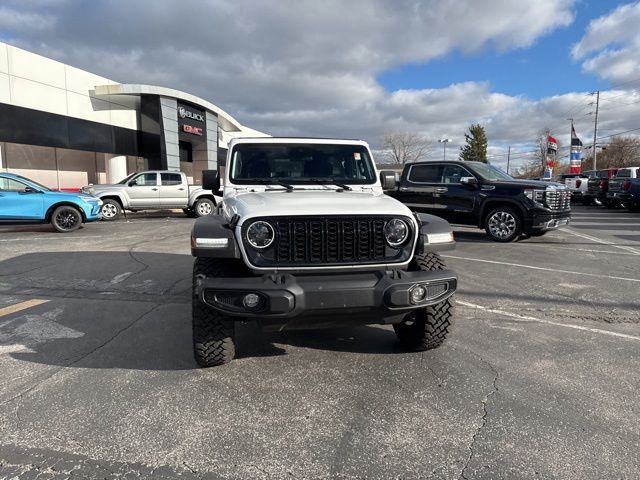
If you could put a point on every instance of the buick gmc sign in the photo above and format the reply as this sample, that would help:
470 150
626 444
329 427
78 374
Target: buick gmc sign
183 112
191 121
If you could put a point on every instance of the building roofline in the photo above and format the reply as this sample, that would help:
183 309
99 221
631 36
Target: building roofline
226 121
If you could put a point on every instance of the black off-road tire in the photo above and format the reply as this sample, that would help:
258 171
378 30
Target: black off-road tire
66 219
110 210
426 328
634 207
513 224
213 333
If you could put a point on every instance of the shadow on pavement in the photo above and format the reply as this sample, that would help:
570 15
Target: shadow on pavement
132 310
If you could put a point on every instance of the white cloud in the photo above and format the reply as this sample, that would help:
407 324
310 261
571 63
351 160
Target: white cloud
610 47
309 67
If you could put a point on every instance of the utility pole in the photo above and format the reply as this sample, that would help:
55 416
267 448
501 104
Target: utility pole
595 129
508 158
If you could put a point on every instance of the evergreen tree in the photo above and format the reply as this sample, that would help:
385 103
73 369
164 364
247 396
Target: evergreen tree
475 148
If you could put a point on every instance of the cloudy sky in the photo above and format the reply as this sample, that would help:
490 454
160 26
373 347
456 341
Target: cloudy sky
361 68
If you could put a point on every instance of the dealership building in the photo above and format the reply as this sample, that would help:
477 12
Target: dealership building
65 127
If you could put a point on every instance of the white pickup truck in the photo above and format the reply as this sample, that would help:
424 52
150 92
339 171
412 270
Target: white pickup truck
576 183
153 190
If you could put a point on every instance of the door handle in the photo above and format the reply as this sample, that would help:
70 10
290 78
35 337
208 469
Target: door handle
181 189
154 189
441 190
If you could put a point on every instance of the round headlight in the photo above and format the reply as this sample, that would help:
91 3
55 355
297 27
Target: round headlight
260 234
396 232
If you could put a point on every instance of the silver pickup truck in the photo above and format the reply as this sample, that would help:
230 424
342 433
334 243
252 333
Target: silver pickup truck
153 190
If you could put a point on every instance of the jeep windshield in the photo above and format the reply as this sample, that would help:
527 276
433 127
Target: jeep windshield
491 173
301 163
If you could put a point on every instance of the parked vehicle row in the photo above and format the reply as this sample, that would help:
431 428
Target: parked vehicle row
610 187
25 201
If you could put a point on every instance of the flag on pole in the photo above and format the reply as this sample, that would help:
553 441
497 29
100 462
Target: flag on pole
576 152
552 151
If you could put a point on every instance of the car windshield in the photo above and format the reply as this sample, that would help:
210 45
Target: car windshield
36 184
489 172
298 163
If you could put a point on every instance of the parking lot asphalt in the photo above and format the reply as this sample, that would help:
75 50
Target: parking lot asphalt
539 378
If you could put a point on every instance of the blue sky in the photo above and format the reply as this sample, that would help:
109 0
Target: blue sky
541 70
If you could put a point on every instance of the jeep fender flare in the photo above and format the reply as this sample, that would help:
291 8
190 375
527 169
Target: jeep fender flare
210 227
431 225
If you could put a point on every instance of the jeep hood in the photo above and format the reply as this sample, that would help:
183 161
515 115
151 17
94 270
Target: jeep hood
311 202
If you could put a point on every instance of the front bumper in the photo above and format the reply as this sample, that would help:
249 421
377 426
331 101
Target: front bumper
544 221
288 301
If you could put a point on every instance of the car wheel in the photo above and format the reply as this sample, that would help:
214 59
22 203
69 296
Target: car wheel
213 333
110 210
66 219
634 207
204 206
503 224
426 328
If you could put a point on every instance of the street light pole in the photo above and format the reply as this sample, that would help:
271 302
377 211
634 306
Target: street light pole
444 142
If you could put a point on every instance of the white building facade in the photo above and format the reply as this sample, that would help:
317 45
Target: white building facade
65 127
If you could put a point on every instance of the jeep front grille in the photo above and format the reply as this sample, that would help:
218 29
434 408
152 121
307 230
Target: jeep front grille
327 241
558 199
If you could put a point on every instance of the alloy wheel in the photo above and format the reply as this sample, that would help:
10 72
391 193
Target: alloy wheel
67 219
502 225
204 208
109 210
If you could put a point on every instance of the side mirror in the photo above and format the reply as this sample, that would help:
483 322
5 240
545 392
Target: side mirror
388 179
469 181
29 189
211 181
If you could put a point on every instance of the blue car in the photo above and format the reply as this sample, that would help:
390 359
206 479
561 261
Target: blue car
25 201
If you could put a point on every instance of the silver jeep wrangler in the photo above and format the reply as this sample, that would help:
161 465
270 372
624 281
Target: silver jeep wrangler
306 238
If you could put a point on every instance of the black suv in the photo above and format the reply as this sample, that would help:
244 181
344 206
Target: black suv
474 193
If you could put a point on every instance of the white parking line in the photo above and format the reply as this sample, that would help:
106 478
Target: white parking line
601 241
612 224
548 322
589 250
57 237
545 269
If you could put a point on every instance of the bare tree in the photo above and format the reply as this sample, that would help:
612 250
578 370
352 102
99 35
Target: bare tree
620 152
403 147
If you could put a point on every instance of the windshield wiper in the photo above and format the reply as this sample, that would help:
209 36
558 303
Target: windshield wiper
329 181
266 182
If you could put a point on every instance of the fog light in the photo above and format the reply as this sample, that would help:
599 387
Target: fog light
251 301
418 294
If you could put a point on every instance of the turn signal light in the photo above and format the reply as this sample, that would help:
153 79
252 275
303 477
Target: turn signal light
626 185
578 183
